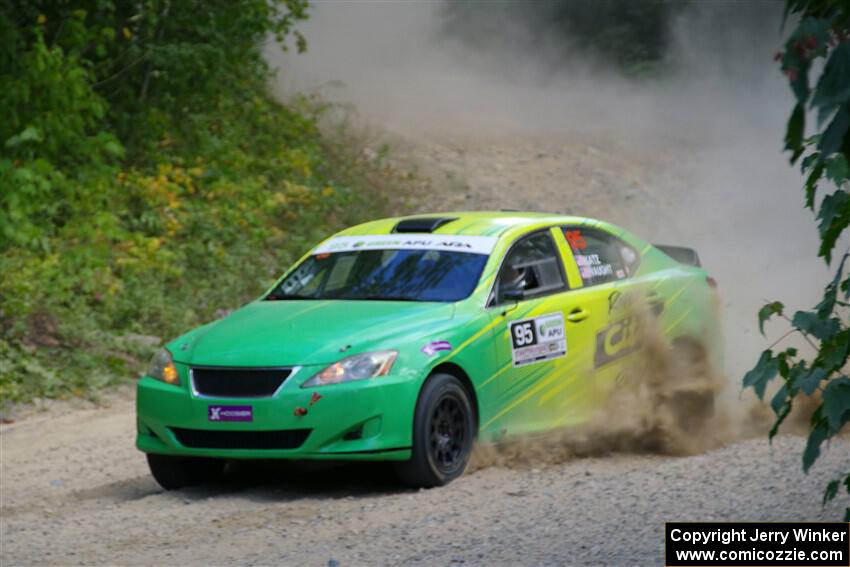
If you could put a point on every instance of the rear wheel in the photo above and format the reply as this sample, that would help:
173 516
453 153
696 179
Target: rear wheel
443 433
692 397
178 472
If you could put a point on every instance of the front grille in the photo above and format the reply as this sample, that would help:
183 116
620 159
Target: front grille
206 439
238 382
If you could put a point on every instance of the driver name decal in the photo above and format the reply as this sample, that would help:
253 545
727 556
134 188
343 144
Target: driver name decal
538 339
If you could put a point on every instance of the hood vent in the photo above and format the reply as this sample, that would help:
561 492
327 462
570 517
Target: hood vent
422 224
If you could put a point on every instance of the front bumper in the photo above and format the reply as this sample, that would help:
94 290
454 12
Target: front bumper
365 420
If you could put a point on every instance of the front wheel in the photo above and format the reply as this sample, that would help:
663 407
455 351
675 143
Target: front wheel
443 434
173 473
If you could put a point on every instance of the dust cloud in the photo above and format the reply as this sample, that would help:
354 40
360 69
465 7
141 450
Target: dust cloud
710 130
665 403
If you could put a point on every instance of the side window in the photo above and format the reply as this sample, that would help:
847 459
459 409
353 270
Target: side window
601 257
531 266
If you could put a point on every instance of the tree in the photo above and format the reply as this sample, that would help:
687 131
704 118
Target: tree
822 32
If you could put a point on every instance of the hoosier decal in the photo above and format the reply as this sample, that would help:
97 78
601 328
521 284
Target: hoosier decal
230 413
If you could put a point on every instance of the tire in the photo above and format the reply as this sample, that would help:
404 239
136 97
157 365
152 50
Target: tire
173 473
691 400
443 434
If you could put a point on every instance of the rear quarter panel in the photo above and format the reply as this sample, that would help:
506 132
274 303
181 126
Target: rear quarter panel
690 305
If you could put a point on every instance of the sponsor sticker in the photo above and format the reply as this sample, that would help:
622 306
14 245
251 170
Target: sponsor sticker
590 266
575 240
538 339
432 348
619 339
230 413
447 242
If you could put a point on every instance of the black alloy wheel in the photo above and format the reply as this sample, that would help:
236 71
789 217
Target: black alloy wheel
443 433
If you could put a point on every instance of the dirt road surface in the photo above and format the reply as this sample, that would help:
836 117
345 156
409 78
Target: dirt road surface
75 491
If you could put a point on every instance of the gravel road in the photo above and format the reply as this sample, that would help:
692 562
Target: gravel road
75 491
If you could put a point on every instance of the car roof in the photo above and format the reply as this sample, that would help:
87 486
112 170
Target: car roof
473 223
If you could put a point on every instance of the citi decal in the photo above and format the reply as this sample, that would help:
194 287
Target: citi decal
617 340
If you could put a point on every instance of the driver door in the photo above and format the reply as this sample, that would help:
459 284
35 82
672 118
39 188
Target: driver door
544 337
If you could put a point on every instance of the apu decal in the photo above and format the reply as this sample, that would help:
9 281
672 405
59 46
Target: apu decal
538 339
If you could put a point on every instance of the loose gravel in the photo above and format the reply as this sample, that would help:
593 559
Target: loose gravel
75 491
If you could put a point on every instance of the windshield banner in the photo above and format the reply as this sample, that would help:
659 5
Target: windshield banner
448 242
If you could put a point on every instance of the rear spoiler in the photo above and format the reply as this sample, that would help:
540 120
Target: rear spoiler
681 254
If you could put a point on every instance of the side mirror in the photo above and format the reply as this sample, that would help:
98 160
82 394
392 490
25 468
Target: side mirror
513 294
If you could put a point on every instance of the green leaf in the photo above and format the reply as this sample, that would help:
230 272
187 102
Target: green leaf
833 137
764 371
810 381
794 132
813 324
833 88
830 492
833 353
836 402
810 160
780 400
817 436
830 293
837 169
768 311
834 216
29 134
114 148
785 410
815 173
812 183
781 405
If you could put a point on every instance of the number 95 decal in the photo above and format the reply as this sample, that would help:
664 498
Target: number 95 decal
538 339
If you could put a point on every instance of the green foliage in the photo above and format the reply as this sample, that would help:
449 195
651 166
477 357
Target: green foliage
149 180
823 32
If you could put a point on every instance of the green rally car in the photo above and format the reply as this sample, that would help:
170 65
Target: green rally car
405 339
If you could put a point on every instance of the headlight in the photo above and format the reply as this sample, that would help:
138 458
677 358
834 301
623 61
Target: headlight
357 367
162 368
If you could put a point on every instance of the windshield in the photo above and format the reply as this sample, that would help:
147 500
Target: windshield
400 275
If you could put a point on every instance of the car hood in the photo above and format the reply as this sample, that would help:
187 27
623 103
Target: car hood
300 332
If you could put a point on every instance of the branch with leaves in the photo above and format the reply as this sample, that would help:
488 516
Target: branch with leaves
822 32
